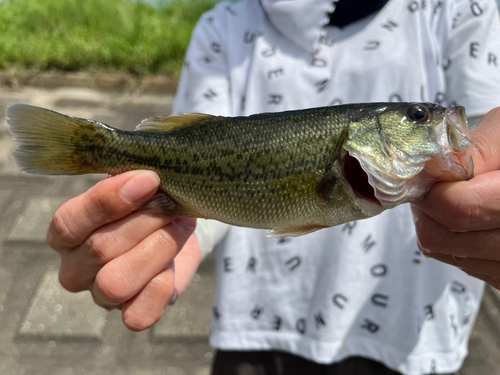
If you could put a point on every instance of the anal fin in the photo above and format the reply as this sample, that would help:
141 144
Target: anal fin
294 231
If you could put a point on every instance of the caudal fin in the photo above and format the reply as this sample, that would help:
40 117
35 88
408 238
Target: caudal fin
49 142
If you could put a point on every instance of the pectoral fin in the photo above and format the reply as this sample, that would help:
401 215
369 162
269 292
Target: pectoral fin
162 204
305 183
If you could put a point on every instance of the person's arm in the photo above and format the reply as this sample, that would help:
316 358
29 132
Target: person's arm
126 257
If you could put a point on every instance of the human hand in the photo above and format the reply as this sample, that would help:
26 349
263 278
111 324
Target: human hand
459 222
127 258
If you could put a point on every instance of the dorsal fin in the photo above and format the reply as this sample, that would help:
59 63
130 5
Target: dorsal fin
174 122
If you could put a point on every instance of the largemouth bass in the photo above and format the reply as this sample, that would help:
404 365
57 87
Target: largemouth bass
292 172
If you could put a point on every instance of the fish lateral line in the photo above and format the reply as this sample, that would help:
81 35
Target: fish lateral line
294 172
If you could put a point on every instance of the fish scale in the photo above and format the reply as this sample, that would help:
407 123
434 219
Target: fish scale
293 172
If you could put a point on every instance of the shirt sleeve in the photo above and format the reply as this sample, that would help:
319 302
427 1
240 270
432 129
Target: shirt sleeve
204 85
204 88
471 55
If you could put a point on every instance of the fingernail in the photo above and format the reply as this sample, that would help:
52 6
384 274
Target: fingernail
187 224
173 298
422 249
458 259
415 212
139 186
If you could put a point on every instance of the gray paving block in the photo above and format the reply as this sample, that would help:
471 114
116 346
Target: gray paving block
7 165
134 111
484 357
7 100
75 185
169 370
4 198
32 224
78 97
54 312
45 330
202 370
6 278
191 314
491 307
495 293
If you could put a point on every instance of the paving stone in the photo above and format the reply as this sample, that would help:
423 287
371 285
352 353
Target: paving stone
133 116
75 185
148 100
119 82
7 212
191 314
116 83
495 294
490 314
55 312
170 370
55 80
484 349
45 330
4 103
202 370
32 224
6 278
8 167
4 199
79 98
42 329
159 85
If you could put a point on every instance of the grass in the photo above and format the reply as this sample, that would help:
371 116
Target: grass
109 35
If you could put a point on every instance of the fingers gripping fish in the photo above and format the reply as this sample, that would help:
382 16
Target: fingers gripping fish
293 172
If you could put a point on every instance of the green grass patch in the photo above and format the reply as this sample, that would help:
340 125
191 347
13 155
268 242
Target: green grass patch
109 35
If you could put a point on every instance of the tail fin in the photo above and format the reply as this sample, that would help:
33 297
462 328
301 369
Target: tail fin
49 140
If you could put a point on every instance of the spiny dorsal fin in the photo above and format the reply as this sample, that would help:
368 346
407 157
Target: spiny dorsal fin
174 122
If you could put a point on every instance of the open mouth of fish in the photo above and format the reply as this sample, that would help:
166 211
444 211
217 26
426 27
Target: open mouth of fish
410 178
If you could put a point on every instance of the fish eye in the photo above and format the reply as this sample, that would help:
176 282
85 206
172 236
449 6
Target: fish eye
418 113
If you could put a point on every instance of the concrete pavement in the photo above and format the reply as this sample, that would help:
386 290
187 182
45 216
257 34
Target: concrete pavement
43 328
46 330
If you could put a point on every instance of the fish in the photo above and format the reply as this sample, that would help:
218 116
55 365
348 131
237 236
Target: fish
291 172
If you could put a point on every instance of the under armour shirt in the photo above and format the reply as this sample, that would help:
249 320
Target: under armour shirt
363 288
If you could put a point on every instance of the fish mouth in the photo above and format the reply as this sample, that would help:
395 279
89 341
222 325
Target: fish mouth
455 163
410 178
358 179
373 184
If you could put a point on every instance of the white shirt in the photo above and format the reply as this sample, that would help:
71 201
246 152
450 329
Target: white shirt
362 288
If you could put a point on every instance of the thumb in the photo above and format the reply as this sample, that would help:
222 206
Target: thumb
486 139
474 204
109 200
